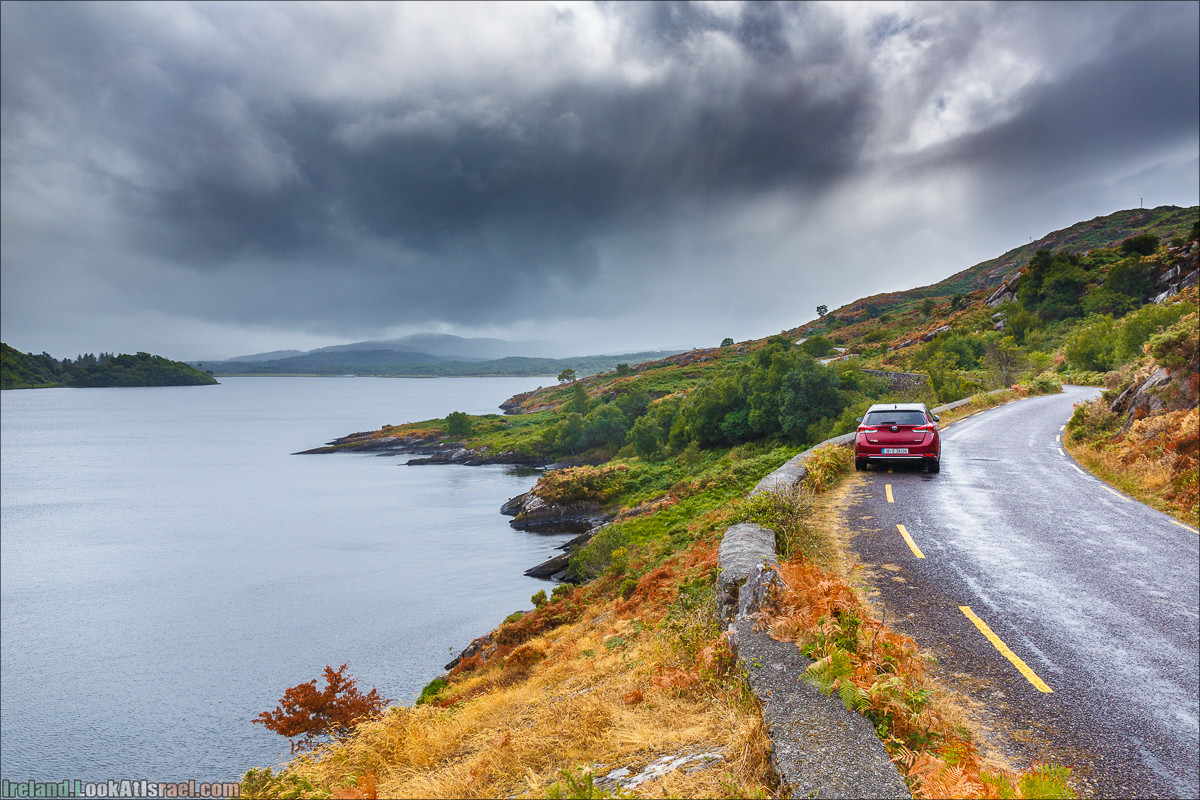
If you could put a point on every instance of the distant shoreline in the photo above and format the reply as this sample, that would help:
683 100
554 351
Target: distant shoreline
369 375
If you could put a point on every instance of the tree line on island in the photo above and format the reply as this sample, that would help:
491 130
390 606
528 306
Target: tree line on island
29 371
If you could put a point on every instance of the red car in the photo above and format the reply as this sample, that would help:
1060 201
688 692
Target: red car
898 432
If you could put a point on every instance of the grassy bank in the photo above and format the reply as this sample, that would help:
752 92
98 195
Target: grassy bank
632 667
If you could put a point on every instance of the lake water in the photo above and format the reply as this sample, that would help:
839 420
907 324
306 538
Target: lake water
169 568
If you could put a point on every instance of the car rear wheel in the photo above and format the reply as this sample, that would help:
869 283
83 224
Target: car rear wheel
860 464
934 465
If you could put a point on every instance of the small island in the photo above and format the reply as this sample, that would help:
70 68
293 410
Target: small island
27 371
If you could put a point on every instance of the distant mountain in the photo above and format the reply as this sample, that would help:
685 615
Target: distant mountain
271 356
426 355
453 348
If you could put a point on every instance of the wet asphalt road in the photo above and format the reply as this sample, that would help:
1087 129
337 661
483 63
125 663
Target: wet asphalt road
1099 596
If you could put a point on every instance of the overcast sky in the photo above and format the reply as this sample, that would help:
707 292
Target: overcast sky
209 180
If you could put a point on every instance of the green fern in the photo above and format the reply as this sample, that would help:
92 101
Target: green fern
854 698
1046 780
828 671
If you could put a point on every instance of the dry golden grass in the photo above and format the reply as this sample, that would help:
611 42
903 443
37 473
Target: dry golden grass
1155 461
618 687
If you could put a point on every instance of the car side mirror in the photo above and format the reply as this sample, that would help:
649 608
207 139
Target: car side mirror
936 418
859 419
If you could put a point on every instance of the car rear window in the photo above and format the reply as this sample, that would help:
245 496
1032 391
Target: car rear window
895 418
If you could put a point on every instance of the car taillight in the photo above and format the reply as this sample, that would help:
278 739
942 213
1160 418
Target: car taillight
865 429
926 428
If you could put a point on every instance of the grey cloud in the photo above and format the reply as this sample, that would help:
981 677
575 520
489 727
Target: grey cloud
278 165
1140 96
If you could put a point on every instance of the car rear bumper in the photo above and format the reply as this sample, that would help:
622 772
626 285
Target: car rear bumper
897 457
874 452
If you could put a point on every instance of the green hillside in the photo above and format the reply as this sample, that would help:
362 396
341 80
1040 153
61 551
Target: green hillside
1166 223
26 371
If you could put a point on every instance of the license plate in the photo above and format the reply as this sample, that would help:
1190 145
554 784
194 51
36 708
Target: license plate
895 451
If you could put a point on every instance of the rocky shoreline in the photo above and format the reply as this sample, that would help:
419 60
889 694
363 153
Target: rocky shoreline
429 450
532 513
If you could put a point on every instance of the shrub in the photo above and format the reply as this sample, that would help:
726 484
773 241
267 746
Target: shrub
817 346
431 691
595 557
577 484
539 598
1092 345
784 511
1176 347
605 426
458 424
646 436
1046 383
1143 245
1137 328
1092 422
305 714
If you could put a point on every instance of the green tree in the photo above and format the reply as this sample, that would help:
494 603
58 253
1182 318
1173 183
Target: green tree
944 379
566 376
458 424
1052 285
1092 345
1127 286
727 342
605 426
1018 321
646 436
623 370
633 403
578 403
927 307
1005 360
569 434
822 310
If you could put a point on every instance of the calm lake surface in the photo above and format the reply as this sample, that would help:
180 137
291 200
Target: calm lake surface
169 568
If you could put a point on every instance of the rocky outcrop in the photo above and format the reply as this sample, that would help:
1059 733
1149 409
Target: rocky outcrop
476 647
532 513
427 450
515 404
1005 292
902 381
1183 272
1140 399
745 548
556 568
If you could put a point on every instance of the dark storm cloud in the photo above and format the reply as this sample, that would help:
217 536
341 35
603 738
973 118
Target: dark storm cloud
344 168
1142 96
